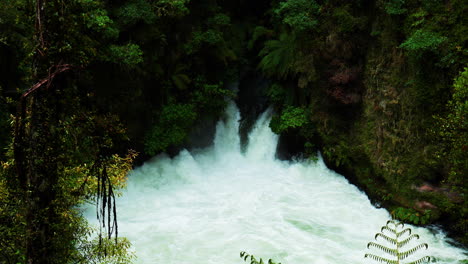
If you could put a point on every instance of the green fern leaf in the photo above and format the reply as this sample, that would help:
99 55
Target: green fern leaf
388 229
407 230
387 238
421 260
395 223
181 81
398 241
278 56
405 254
380 259
406 241
385 249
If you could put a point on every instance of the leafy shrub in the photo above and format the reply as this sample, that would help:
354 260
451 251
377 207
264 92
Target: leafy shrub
423 40
300 15
395 7
129 54
133 11
291 117
276 93
105 251
171 128
411 215
347 22
210 98
171 8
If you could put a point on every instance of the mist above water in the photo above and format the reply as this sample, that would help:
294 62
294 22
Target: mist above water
205 206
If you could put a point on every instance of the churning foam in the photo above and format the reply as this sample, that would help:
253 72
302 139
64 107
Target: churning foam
205 206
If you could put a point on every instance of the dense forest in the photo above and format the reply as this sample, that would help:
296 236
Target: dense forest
91 88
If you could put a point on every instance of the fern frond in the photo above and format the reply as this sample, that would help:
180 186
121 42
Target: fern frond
405 254
380 259
181 81
421 260
387 238
399 234
259 32
397 240
388 229
395 223
385 249
278 56
406 241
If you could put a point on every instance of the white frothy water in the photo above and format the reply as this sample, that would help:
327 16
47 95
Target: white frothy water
206 206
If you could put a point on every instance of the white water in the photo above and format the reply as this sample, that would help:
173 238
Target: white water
206 206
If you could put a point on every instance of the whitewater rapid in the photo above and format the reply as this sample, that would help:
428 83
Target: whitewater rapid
205 206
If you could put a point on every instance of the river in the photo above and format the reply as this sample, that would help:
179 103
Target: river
207 205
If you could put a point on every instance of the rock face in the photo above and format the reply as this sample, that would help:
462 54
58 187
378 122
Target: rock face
388 147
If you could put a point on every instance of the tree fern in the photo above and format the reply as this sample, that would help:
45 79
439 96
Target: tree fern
278 56
397 238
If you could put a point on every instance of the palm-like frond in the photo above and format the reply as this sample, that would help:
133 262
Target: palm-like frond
421 260
387 238
380 259
406 241
179 78
407 230
388 229
405 254
385 249
278 56
397 241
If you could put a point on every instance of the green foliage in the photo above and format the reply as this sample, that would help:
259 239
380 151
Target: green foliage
14 28
171 128
99 21
259 32
276 93
253 260
209 37
395 7
452 133
210 98
212 36
397 237
171 8
105 251
291 117
423 40
219 19
129 55
174 121
134 11
340 152
300 15
180 80
347 22
278 56
412 216
13 221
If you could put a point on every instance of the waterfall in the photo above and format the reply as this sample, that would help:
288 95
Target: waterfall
205 206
